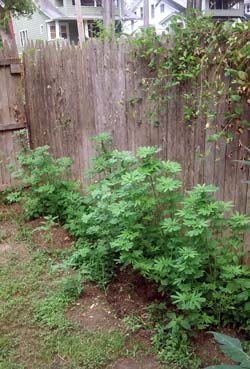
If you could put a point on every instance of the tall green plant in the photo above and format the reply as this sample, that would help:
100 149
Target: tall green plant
138 217
47 181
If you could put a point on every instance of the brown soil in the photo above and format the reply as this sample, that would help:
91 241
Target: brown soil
8 245
59 237
131 294
208 350
92 311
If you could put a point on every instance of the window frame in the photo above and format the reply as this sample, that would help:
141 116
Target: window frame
96 4
49 31
23 40
152 11
67 29
141 12
41 29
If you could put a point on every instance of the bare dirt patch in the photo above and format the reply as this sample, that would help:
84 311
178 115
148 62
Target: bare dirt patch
131 294
9 247
92 311
59 237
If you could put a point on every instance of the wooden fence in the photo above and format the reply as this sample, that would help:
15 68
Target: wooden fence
12 117
73 95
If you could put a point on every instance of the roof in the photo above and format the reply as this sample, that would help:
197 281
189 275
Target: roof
164 20
50 10
174 5
129 15
134 5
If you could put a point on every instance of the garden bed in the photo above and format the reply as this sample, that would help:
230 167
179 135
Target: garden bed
128 296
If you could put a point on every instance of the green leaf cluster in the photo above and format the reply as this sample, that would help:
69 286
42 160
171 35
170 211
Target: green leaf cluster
136 214
50 192
204 61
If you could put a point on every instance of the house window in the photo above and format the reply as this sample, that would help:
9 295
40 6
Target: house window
223 4
24 37
248 8
152 11
59 3
141 12
64 30
89 2
52 31
41 29
162 8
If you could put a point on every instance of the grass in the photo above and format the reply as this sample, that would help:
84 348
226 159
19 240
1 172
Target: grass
33 299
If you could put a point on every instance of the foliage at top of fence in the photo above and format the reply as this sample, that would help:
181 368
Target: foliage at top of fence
198 56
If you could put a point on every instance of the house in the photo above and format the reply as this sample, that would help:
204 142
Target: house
224 9
56 19
161 11
247 8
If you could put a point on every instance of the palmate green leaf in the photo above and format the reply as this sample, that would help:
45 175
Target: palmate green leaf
166 184
232 348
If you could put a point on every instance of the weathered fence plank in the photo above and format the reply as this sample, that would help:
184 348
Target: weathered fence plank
74 94
12 116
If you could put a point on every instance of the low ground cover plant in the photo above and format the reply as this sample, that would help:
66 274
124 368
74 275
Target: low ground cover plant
136 214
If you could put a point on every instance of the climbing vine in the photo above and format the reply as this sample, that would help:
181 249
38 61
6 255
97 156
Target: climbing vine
208 62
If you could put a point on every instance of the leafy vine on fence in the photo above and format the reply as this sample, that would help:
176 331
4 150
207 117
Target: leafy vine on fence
209 60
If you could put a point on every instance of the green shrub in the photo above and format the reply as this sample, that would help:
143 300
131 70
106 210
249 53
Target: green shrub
135 214
138 217
49 190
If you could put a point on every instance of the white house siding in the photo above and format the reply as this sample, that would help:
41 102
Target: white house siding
155 21
88 12
247 8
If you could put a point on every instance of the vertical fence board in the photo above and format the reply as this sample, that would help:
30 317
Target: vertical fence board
74 94
12 116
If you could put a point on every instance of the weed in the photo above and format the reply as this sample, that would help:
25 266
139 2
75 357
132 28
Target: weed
50 310
23 232
134 323
47 226
91 350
